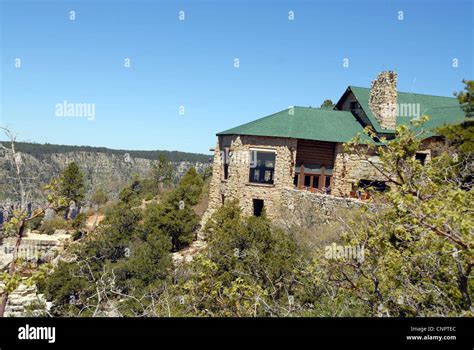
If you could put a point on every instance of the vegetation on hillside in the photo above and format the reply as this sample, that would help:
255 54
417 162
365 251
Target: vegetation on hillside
128 256
41 150
410 253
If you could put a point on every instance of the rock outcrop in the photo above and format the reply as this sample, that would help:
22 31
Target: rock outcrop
35 249
110 170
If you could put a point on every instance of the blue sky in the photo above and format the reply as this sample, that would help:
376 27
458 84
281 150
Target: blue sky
190 63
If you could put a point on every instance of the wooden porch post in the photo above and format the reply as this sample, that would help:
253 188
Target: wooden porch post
301 177
322 182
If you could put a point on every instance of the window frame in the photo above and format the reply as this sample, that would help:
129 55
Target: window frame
262 168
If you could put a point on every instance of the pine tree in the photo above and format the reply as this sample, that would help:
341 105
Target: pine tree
71 183
162 172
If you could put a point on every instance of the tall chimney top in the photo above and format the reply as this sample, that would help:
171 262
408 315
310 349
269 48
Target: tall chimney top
383 99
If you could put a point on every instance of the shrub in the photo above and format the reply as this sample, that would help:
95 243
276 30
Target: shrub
35 223
79 221
57 223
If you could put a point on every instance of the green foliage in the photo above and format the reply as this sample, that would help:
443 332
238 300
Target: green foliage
148 263
175 215
179 224
99 197
415 249
57 223
35 223
418 244
65 287
132 194
460 136
161 172
207 173
78 234
10 281
71 183
79 221
327 104
188 190
128 256
249 268
466 98
122 261
138 190
40 150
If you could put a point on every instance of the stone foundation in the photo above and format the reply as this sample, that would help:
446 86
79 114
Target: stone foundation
298 205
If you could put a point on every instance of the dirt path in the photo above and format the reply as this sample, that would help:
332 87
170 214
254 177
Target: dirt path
92 219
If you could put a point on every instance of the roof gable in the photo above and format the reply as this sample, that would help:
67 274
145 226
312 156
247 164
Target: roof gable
441 110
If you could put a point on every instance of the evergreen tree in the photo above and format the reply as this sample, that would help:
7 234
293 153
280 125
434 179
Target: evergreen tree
162 172
71 183
99 197
327 104
189 188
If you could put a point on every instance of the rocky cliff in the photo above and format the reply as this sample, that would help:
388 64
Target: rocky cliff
112 169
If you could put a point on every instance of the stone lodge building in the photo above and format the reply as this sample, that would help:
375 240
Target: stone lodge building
302 147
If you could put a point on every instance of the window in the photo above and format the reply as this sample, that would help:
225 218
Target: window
225 162
354 105
327 184
262 167
421 157
226 171
222 199
378 186
307 181
314 177
316 181
258 207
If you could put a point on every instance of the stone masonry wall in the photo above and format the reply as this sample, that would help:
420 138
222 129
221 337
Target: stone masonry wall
349 168
296 202
383 99
237 186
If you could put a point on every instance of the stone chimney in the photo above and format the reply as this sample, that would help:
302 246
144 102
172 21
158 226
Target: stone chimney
383 99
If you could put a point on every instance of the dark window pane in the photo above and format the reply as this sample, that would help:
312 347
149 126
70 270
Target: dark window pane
263 167
307 180
328 182
379 186
226 171
354 105
316 181
421 157
258 207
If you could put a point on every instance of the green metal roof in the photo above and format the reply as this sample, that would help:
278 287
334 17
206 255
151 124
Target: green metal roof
303 123
441 110
322 124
